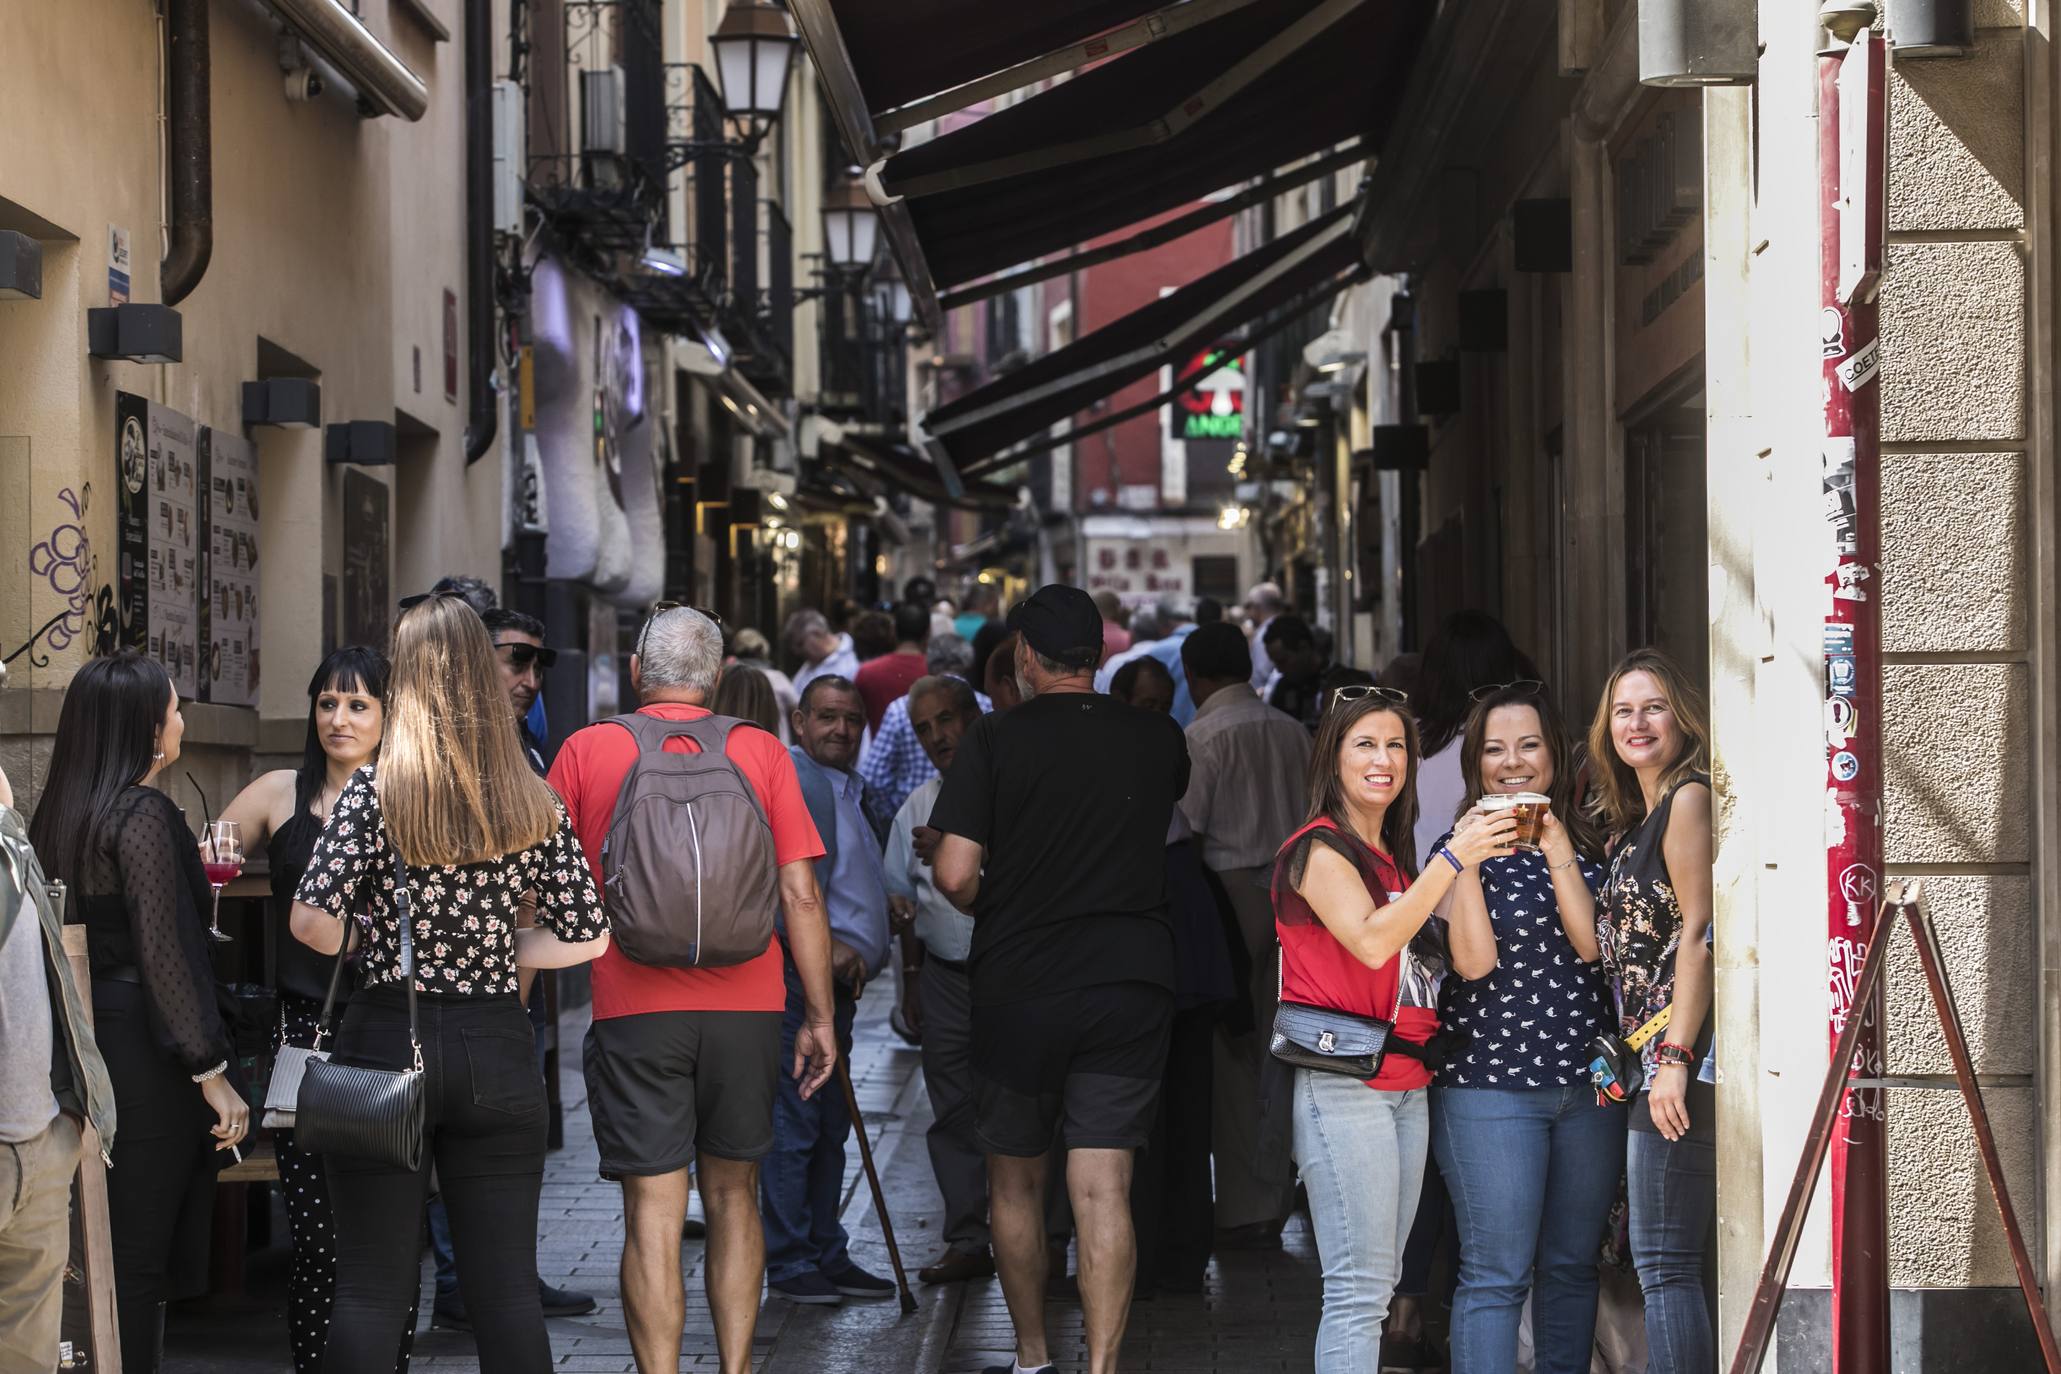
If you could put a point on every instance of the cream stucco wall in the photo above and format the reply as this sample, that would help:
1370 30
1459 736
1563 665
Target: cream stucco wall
334 238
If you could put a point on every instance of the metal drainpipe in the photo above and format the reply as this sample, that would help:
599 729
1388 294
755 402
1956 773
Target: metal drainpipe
483 418
188 151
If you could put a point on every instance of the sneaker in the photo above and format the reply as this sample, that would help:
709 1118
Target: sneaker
810 1287
563 1302
854 1282
449 1312
697 1219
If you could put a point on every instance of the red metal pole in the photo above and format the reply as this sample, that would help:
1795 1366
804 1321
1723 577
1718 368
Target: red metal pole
1850 158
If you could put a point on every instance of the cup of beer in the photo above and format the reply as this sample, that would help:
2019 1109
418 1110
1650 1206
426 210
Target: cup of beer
1529 808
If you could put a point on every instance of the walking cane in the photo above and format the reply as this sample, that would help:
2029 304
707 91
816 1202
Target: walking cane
887 1226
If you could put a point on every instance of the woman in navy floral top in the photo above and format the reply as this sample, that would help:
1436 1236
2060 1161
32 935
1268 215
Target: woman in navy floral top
480 841
1531 1159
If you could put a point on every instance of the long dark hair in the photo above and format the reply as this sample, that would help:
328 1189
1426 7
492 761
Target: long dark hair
1327 794
1566 789
1470 650
353 668
106 734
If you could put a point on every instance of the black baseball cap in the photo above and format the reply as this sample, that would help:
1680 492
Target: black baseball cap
1062 623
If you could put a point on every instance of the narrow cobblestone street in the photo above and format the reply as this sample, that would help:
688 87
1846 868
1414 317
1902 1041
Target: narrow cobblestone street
1255 1317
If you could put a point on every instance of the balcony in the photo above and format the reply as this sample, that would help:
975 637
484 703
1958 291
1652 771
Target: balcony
597 117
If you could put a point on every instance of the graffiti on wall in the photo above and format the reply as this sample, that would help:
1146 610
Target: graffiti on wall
68 566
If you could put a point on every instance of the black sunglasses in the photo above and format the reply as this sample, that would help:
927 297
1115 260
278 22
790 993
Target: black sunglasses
409 603
1527 686
659 608
1358 691
521 656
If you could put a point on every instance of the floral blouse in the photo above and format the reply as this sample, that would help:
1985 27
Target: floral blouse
464 914
1639 926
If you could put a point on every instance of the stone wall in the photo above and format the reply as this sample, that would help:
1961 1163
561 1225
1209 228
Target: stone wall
1956 584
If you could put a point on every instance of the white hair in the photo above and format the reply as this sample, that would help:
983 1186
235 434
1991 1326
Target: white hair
681 649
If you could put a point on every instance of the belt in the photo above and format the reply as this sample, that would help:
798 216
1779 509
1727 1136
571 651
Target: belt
118 973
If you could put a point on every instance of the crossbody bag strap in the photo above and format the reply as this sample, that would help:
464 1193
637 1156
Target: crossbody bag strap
343 949
1637 1039
404 912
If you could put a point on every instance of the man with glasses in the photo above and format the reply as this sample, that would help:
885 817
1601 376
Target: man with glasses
1246 795
519 649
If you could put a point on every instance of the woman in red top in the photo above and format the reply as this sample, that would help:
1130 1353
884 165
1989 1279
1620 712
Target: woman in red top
1354 938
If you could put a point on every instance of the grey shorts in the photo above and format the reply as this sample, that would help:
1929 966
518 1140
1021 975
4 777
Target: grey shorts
664 1086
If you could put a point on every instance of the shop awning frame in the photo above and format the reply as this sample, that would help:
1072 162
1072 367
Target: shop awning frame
897 467
1212 305
1146 29
1187 111
1244 342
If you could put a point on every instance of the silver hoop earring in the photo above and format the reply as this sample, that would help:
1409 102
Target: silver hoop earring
158 756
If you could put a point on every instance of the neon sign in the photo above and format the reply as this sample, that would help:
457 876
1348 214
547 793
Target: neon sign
1214 408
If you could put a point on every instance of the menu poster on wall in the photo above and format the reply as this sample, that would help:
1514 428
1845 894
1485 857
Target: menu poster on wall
229 613
160 512
365 583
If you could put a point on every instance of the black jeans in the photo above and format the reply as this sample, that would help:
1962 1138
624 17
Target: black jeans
1171 1207
161 1191
486 1124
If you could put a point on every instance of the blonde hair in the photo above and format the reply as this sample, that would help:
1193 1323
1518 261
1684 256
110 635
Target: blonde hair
1620 804
454 787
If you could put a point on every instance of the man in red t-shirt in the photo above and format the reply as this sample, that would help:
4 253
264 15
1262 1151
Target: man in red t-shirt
682 1063
886 680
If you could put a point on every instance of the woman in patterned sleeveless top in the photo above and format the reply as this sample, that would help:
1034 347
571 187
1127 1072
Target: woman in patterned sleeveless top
1650 747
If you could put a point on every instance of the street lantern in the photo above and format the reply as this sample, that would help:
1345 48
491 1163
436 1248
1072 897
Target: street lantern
754 47
891 295
851 226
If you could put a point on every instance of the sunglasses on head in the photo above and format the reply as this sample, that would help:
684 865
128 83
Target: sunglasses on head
1528 686
1359 691
409 603
521 656
659 608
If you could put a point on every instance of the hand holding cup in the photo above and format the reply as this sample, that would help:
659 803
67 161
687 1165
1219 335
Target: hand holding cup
1480 835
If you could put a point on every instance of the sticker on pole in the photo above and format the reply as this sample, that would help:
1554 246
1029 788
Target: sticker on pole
1859 370
1840 715
1845 766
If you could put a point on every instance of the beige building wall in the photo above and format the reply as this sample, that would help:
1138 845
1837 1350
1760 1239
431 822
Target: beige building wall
335 238
1967 535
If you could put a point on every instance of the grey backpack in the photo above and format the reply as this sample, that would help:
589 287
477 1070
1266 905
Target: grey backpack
688 870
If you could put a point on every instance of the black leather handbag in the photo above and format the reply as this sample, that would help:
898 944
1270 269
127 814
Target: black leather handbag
1328 1040
359 1112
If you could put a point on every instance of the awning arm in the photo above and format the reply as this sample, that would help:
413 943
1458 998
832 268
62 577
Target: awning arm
825 42
1252 338
1273 184
1137 33
1204 102
1227 303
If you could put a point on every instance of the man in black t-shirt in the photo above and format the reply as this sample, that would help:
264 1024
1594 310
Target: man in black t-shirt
1054 819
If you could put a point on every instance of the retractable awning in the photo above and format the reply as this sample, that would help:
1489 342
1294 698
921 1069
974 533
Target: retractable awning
1225 91
884 464
1063 383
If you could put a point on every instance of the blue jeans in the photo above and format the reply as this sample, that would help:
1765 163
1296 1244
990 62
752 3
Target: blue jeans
1361 1154
1533 1172
1673 1194
801 1182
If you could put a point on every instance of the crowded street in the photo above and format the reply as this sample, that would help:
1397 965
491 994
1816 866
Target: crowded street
953 687
1256 1315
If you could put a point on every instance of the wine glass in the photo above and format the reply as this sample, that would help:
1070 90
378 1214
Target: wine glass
221 854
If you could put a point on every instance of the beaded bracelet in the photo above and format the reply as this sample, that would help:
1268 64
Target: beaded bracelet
215 1072
1671 1053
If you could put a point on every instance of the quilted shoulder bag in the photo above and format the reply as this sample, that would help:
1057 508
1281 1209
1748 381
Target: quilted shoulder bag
1328 1040
360 1112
